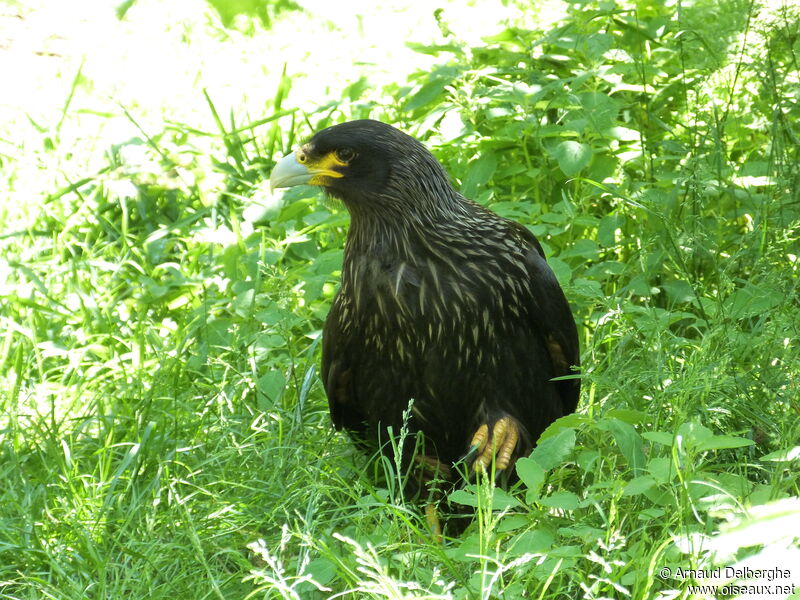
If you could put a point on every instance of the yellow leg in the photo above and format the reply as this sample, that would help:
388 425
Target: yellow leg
504 438
434 526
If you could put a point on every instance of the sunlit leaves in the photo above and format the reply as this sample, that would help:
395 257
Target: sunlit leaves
572 157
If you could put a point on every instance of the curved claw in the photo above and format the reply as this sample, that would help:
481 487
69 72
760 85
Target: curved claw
479 440
504 438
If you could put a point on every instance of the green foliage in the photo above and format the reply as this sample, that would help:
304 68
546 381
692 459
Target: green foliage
265 11
163 427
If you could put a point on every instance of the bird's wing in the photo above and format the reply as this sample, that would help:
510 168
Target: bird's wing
554 320
338 372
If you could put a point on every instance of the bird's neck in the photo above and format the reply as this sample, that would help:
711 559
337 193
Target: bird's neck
397 233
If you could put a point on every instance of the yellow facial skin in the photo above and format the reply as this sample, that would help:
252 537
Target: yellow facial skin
325 166
299 168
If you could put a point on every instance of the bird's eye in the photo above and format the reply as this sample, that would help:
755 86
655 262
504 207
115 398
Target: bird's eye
345 155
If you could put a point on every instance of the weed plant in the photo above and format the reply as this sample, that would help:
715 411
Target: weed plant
163 430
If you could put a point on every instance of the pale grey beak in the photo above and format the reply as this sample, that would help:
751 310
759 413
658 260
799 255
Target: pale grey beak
288 172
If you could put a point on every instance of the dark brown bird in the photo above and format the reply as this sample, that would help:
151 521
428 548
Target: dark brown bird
444 306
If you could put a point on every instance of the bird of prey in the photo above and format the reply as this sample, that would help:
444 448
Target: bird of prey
444 307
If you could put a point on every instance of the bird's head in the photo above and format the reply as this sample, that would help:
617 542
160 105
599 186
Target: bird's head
369 165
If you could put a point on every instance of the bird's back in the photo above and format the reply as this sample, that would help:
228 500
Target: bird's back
451 327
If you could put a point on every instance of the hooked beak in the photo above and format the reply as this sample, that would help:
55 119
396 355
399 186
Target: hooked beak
289 172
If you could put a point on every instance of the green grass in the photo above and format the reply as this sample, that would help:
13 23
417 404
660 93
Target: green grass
163 432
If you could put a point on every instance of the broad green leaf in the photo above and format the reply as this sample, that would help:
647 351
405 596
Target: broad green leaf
561 269
478 173
587 288
426 94
583 248
661 468
553 451
570 421
531 542
464 497
693 434
634 417
322 570
721 442
572 157
502 500
596 44
628 440
639 485
532 475
243 302
563 500
606 231
513 522
600 110
752 301
678 290
587 459
659 437
328 261
785 455
270 387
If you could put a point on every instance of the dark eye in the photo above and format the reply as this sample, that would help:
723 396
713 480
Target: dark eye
345 155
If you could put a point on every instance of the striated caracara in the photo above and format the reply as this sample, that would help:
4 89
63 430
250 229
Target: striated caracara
444 306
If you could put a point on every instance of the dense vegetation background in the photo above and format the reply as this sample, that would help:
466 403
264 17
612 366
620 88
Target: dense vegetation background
163 431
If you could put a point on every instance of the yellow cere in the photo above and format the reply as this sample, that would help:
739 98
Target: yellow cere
322 168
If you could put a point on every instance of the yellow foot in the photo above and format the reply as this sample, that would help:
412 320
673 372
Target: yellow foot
434 526
498 447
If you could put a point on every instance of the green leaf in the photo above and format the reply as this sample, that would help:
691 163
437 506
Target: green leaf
785 455
513 522
562 270
583 248
563 500
328 262
426 94
639 485
587 288
629 442
659 437
322 570
553 451
532 475
661 468
634 417
479 172
600 109
679 291
464 497
270 387
502 500
606 231
570 421
587 460
535 541
243 302
596 44
722 442
572 157
693 434
752 301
